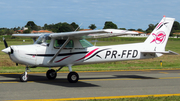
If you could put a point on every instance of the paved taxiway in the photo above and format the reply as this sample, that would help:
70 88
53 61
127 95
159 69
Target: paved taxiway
91 84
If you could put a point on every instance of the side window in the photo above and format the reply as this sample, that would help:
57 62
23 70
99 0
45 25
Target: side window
85 43
58 43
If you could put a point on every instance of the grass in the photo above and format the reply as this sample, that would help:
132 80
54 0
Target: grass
169 61
169 98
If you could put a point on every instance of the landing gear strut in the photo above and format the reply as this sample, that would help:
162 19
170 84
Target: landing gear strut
72 77
24 77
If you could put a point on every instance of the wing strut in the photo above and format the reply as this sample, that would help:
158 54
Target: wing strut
65 43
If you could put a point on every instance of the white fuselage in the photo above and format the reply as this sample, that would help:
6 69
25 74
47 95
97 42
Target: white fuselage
39 55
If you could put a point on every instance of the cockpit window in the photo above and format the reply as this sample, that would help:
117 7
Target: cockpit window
85 43
44 40
58 43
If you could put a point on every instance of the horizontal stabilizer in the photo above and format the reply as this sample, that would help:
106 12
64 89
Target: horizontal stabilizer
161 52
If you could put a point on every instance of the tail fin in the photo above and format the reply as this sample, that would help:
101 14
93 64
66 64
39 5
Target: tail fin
157 40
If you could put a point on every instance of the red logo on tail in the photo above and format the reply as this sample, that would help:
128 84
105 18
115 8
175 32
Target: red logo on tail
159 37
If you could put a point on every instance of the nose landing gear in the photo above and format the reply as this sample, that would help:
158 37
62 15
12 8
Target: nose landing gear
24 77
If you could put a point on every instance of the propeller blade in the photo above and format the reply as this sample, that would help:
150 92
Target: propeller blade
5 43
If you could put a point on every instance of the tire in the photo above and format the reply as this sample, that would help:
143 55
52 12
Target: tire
73 77
23 78
51 74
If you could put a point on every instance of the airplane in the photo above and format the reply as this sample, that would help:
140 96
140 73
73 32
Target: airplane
71 48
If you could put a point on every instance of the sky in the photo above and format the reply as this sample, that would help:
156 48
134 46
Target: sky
129 14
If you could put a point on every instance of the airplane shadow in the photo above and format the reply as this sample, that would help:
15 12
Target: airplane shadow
122 76
63 81
42 79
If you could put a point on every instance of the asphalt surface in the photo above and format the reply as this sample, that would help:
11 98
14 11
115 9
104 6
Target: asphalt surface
91 84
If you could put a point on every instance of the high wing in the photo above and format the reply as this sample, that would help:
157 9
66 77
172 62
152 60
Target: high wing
27 35
83 34
93 33
33 36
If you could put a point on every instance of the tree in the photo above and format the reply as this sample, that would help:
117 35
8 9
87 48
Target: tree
122 28
175 28
139 29
176 25
27 31
10 32
150 29
31 25
109 24
74 25
131 29
64 27
92 26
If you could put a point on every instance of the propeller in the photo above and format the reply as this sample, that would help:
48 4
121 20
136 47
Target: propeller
5 43
7 49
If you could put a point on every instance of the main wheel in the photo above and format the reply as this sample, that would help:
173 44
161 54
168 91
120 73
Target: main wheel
73 77
51 74
23 77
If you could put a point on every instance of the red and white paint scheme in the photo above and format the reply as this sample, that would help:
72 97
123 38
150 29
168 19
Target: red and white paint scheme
70 48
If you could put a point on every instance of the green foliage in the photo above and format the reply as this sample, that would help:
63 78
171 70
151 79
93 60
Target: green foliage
61 27
150 28
64 27
131 29
74 25
150 98
176 25
122 28
92 26
110 25
32 26
175 28
27 31
7 31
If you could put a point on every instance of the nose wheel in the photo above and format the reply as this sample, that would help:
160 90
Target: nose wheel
24 77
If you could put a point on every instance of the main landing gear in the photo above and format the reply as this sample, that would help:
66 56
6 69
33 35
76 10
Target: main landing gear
51 74
72 77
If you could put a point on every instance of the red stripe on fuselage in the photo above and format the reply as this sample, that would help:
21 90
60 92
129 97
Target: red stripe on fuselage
91 52
62 59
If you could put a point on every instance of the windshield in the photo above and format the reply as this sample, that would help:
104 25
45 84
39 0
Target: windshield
85 43
43 40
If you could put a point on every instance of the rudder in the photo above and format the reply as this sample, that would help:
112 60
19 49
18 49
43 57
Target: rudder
157 40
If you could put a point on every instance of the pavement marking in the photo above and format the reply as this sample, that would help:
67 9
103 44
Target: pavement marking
103 97
96 80
164 72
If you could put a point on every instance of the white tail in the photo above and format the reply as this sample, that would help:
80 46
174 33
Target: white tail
157 40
